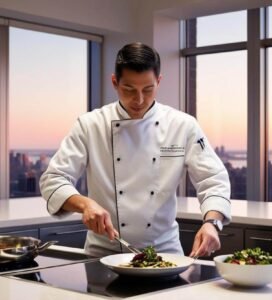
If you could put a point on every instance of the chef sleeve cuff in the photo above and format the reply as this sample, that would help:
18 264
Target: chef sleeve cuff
57 199
217 203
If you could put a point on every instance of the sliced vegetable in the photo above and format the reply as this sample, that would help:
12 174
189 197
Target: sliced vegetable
255 256
149 259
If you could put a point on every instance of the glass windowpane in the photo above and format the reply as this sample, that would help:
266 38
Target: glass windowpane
269 21
221 28
270 124
48 91
221 110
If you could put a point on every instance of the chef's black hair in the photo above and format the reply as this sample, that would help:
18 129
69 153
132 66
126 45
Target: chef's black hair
137 57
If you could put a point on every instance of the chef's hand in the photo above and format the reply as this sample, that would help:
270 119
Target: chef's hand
94 216
206 241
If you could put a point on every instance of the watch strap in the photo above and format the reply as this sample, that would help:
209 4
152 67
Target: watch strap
217 223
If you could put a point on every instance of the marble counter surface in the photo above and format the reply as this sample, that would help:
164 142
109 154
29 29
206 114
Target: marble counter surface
213 290
31 211
243 212
13 289
28 211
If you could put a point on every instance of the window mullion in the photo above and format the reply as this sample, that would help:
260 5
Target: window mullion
94 75
256 110
4 157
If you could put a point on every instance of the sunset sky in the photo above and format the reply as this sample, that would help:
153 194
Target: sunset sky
222 107
48 88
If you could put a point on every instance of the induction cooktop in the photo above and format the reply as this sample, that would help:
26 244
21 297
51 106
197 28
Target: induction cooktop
94 278
46 259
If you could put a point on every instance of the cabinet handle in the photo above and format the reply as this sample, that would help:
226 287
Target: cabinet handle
225 234
188 230
254 238
69 232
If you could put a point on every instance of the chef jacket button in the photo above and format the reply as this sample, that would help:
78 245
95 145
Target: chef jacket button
117 124
120 192
123 224
154 159
152 193
148 224
157 123
118 159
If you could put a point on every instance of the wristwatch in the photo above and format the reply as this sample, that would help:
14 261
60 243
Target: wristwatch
217 223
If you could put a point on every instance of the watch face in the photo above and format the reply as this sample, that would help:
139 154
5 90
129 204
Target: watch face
219 224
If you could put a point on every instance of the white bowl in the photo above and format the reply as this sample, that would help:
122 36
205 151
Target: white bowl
243 275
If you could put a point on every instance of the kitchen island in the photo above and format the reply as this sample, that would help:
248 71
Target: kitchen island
217 288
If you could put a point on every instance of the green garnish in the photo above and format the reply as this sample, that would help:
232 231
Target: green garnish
148 258
255 256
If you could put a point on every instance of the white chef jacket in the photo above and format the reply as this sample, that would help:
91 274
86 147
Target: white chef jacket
134 167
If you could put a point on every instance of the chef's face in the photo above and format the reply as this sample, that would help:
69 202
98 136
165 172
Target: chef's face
136 91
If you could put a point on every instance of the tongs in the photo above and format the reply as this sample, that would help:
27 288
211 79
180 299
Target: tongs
127 245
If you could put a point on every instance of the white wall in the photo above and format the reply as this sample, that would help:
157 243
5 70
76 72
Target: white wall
185 9
95 15
166 41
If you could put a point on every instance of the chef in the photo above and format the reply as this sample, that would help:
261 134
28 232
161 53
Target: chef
134 152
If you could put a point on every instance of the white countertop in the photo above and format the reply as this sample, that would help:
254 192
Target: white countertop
243 212
212 290
31 211
28 211
13 289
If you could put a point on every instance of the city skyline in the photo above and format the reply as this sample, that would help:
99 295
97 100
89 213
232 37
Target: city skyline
26 172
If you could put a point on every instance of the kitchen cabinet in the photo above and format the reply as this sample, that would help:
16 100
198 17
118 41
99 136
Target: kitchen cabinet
231 237
66 235
20 232
259 238
187 232
71 233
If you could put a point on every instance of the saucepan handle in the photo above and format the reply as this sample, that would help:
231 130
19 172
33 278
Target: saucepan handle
45 245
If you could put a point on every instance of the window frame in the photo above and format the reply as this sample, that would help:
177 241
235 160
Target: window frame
257 127
94 79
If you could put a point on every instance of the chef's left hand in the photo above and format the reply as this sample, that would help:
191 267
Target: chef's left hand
206 241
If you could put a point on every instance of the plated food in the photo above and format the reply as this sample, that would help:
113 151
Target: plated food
148 259
158 264
247 268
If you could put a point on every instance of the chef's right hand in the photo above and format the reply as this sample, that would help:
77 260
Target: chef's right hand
94 216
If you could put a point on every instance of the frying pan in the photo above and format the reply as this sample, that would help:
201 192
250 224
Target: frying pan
15 248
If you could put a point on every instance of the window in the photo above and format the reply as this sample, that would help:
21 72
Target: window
233 25
270 22
221 109
270 124
217 91
225 87
47 92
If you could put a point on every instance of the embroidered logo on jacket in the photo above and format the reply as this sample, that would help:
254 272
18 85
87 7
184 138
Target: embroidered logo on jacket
172 150
201 143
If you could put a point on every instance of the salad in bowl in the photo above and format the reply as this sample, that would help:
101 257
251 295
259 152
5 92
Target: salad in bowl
247 268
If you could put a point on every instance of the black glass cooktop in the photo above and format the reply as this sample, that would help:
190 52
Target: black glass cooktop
94 278
46 259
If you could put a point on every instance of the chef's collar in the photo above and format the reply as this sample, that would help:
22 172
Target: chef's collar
147 114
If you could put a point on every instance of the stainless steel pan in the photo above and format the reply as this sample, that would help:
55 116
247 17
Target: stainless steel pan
14 248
